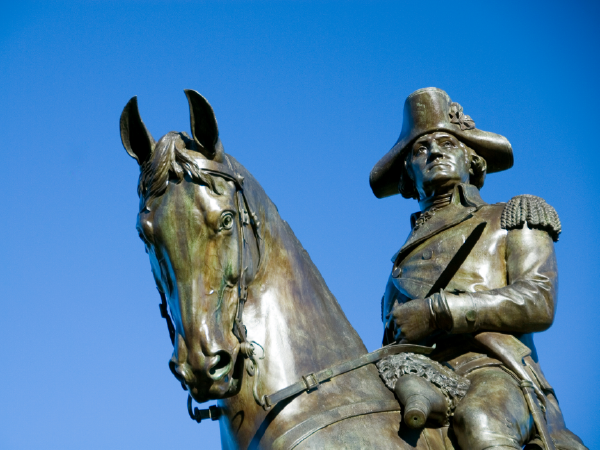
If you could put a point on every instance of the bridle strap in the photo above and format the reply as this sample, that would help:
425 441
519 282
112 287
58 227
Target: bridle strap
238 328
226 171
308 382
164 313
220 169
312 381
245 217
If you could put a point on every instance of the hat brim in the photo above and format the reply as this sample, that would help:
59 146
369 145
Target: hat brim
494 148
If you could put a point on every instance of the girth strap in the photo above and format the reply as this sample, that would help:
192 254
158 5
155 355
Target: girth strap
312 380
310 426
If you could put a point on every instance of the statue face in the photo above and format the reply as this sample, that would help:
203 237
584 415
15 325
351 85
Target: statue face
437 163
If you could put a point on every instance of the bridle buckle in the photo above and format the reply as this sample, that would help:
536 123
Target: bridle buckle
310 381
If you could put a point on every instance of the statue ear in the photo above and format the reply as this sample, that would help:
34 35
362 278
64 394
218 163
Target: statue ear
136 138
204 126
408 169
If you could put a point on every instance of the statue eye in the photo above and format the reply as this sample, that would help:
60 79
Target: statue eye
447 144
227 220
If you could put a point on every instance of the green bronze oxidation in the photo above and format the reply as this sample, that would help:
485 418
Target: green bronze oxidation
477 280
252 268
227 273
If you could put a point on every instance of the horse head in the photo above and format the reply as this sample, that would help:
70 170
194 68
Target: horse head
202 240
209 253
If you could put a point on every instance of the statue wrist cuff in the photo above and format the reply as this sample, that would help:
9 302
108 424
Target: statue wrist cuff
440 312
465 317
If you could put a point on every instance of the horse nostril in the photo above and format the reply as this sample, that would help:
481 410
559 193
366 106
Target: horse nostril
221 365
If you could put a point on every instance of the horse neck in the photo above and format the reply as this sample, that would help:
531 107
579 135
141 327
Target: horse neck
290 310
292 314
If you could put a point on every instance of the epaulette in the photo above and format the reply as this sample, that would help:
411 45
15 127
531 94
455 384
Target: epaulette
533 210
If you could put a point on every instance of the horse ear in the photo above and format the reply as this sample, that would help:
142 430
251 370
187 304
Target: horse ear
136 138
204 125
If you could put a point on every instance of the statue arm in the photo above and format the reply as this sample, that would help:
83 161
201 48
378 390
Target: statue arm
390 296
527 303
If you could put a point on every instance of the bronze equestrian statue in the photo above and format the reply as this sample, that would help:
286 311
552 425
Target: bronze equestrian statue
476 280
254 326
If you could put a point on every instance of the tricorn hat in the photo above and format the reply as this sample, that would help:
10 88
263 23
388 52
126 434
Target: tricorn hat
426 111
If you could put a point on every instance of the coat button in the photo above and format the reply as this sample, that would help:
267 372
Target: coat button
470 316
397 272
427 254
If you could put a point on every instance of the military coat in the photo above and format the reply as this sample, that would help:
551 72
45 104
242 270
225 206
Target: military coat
494 264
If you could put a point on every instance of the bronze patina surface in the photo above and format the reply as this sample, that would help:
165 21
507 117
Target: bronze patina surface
255 327
236 279
476 280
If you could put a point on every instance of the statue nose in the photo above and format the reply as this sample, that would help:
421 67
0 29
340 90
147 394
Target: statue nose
218 365
436 150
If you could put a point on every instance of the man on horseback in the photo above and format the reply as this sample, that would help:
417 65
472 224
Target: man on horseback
474 279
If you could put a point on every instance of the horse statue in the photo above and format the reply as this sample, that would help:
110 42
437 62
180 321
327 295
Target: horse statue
248 312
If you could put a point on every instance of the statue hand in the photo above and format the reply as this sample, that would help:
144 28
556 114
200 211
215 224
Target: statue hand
413 320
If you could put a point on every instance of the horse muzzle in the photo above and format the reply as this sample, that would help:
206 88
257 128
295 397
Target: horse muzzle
211 377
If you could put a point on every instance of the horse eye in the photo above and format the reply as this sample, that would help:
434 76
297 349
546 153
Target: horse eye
227 221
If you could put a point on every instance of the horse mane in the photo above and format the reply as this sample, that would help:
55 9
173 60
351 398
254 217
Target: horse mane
259 199
169 162
272 224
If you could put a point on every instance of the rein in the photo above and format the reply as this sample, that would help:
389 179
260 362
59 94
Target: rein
308 382
246 216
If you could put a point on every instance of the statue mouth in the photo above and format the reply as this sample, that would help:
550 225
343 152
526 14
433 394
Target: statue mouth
435 165
203 392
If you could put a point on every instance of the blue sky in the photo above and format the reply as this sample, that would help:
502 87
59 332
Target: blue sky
308 96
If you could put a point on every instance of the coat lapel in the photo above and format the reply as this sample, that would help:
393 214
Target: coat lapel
465 202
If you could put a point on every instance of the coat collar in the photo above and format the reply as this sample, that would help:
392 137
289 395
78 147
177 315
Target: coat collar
465 201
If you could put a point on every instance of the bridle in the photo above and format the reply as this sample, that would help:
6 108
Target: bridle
246 217
309 382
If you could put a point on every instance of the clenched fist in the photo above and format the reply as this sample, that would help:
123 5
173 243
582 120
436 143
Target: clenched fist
413 320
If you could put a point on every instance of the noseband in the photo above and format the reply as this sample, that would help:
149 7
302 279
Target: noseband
246 216
308 382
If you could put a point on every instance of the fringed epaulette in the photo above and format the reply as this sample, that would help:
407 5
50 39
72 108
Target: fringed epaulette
533 210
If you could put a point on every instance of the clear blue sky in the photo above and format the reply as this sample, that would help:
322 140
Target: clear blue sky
308 96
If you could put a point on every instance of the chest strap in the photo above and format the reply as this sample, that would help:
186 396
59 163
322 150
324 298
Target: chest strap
312 380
